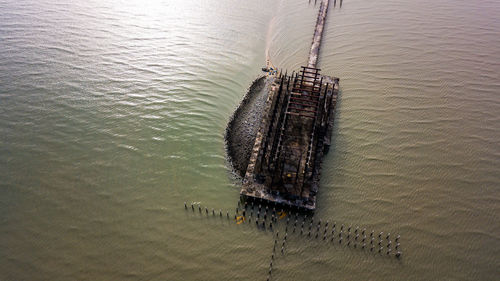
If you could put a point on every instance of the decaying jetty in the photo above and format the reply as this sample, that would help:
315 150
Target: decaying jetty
295 132
276 140
285 163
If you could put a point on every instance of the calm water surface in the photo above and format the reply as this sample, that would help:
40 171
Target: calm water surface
112 114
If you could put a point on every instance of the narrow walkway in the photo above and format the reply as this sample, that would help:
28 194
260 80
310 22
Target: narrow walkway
318 33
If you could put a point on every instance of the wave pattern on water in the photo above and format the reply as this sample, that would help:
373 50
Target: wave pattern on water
113 113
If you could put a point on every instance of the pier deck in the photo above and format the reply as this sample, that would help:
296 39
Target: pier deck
285 162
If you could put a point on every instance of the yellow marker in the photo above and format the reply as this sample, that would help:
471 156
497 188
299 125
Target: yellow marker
282 214
240 219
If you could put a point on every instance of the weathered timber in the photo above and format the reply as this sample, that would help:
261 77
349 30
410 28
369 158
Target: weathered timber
318 34
285 161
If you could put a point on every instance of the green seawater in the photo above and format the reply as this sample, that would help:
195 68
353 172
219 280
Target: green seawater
112 115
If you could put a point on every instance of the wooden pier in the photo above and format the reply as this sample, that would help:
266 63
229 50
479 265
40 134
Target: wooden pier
318 34
285 162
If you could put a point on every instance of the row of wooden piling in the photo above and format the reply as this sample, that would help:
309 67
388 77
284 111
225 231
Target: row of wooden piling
267 218
334 2
264 217
275 246
338 234
197 207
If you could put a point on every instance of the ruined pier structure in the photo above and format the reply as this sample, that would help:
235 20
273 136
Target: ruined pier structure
318 34
295 132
